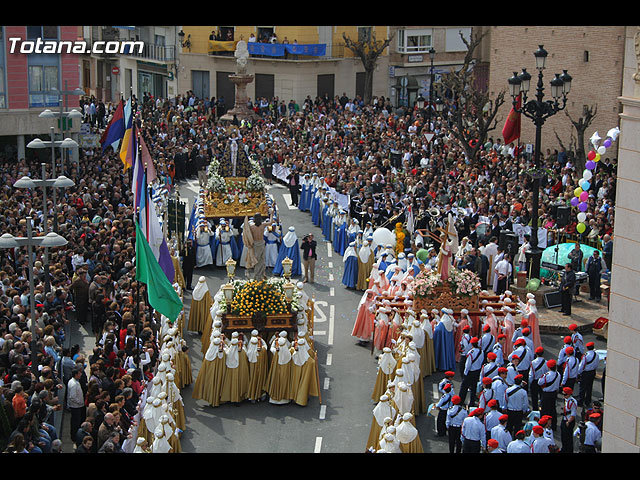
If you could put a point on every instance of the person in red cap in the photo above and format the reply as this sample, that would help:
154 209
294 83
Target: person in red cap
569 415
487 393
518 445
500 386
448 378
487 340
589 363
562 355
465 347
455 417
544 423
443 405
490 369
498 349
471 373
491 416
537 369
473 434
540 443
500 432
592 435
550 384
577 341
518 331
571 366
517 404
493 446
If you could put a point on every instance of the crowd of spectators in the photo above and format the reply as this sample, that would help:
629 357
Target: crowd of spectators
376 153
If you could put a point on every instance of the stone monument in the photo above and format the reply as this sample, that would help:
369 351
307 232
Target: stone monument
240 79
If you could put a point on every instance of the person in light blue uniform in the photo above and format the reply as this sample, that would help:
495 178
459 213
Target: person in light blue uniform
290 248
350 274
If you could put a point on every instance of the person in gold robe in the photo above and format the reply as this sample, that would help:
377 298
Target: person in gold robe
383 412
386 371
208 384
258 358
236 380
365 263
201 302
304 379
279 381
408 435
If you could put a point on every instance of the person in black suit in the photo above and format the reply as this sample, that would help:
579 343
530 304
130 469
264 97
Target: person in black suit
294 187
309 257
189 263
567 286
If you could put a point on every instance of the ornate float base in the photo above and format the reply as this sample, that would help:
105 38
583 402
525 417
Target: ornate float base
262 323
442 297
215 206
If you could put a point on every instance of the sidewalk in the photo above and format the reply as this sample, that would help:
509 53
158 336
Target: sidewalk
583 313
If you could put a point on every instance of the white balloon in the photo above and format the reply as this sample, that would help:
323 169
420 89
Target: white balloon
383 236
582 217
587 174
595 138
602 150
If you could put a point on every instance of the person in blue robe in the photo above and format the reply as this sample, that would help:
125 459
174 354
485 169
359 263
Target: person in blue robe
289 248
326 221
352 230
350 273
413 263
303 204
340 236
444 343
315 209
383 264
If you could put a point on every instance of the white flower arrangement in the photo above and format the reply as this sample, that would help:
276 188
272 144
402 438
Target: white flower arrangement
216 184
255 183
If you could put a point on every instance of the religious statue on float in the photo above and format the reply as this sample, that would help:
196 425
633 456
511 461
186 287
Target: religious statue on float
448 248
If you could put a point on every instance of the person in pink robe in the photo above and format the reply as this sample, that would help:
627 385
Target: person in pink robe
381 333
363 326
491 320
508 327
534 325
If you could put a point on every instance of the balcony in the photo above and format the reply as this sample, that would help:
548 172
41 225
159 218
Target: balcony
279 51
158 53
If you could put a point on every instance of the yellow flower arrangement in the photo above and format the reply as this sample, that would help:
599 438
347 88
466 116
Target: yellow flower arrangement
258 296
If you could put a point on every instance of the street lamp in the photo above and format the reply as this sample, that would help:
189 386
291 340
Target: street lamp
30 183
49 240
62 114
538 111
65 143
432 56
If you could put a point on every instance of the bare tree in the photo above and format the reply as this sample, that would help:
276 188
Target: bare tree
580 125
475 112
368 49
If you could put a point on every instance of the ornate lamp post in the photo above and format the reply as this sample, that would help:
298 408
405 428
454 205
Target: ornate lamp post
538 110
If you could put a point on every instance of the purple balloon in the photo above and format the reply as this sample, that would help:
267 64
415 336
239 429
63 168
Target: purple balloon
575 201
583 206
590 165
607 142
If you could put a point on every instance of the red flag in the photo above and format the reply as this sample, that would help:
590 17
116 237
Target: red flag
511 129
147 161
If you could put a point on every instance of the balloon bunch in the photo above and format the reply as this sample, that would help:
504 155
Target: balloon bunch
581 193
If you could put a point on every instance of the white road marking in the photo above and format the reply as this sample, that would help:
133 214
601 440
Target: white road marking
318 446
329 359
329 250
323 413
319 332
332 314
326 383
332 292
331 277
330 264
287 199
319 315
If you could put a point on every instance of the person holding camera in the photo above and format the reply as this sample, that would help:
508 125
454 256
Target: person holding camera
309 257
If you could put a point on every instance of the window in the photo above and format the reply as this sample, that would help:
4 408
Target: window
414 41
46 32
264 34
42 79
